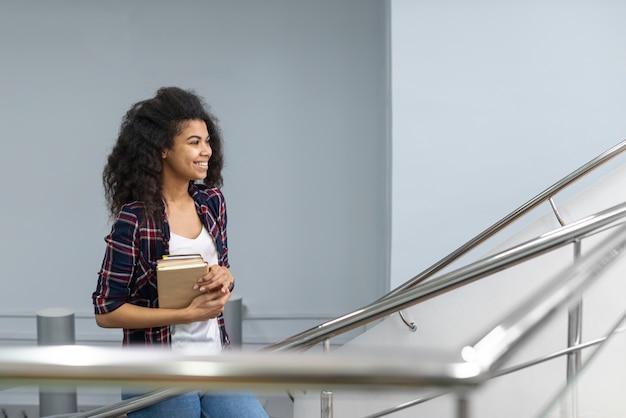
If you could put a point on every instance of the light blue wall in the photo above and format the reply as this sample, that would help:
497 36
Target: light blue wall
492 103
300 90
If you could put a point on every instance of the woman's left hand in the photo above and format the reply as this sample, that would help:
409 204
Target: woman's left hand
217 278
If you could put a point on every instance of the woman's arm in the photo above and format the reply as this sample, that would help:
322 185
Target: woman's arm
114 309
205 306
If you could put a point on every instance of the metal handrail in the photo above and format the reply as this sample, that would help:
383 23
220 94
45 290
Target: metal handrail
503 340
409 369
123 407
456 278
560 353
588 360
128 405
513 216
330 329
502 372
157 367
344 323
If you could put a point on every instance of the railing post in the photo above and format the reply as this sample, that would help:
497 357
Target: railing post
574 337
574 334
327 404
326 400
462 410
55 326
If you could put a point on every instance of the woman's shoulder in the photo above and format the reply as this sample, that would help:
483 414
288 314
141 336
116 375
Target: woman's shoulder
132 212
207 193
134 208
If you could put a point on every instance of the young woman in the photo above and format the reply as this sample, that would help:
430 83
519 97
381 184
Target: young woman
161 183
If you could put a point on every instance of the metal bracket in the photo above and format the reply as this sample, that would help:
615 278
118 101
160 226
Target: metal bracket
411 325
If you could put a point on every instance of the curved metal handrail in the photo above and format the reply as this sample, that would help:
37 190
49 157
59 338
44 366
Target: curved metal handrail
456 278
329 328
513 216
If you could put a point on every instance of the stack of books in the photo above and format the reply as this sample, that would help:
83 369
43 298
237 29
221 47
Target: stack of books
176 276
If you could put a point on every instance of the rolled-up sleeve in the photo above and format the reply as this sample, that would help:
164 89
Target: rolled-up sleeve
116 273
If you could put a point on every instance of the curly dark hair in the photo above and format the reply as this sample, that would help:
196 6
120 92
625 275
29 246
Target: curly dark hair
134 166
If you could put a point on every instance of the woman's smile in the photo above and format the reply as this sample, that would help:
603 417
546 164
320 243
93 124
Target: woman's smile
181 160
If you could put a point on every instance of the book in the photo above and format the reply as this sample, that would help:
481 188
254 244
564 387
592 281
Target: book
176 276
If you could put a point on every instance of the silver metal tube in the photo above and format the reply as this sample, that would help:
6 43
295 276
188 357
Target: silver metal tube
565 288
126 366
355 319
408 323
237 369
129 405
326 398
456 278
574 334
574 337
408 404
556 212
55 326
327 404
513 216
501 372
574 329
549 357
462 403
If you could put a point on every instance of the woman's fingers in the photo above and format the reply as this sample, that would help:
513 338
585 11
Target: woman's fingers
209 305
217 277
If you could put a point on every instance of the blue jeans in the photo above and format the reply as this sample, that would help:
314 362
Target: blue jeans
203 405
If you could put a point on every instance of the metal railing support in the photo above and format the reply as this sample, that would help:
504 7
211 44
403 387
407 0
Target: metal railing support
511 217
327 404
408 323
326 399
574 330
55 326
462 405
456 278
574 338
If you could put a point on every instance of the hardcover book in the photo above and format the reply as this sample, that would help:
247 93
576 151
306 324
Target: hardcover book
176 276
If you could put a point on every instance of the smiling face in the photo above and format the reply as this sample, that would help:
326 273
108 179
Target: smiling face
188 158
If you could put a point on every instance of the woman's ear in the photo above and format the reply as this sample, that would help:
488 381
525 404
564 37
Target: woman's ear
163 154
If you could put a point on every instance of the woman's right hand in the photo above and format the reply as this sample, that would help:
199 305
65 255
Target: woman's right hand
205 306
208 305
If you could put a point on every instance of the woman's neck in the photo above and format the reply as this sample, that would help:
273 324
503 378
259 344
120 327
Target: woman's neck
175 191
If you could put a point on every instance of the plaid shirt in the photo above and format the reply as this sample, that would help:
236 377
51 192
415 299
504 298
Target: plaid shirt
128 273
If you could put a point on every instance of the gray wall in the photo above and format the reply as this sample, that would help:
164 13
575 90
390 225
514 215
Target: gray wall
300 88
492 103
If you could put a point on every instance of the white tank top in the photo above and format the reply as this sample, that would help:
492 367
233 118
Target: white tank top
203 336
